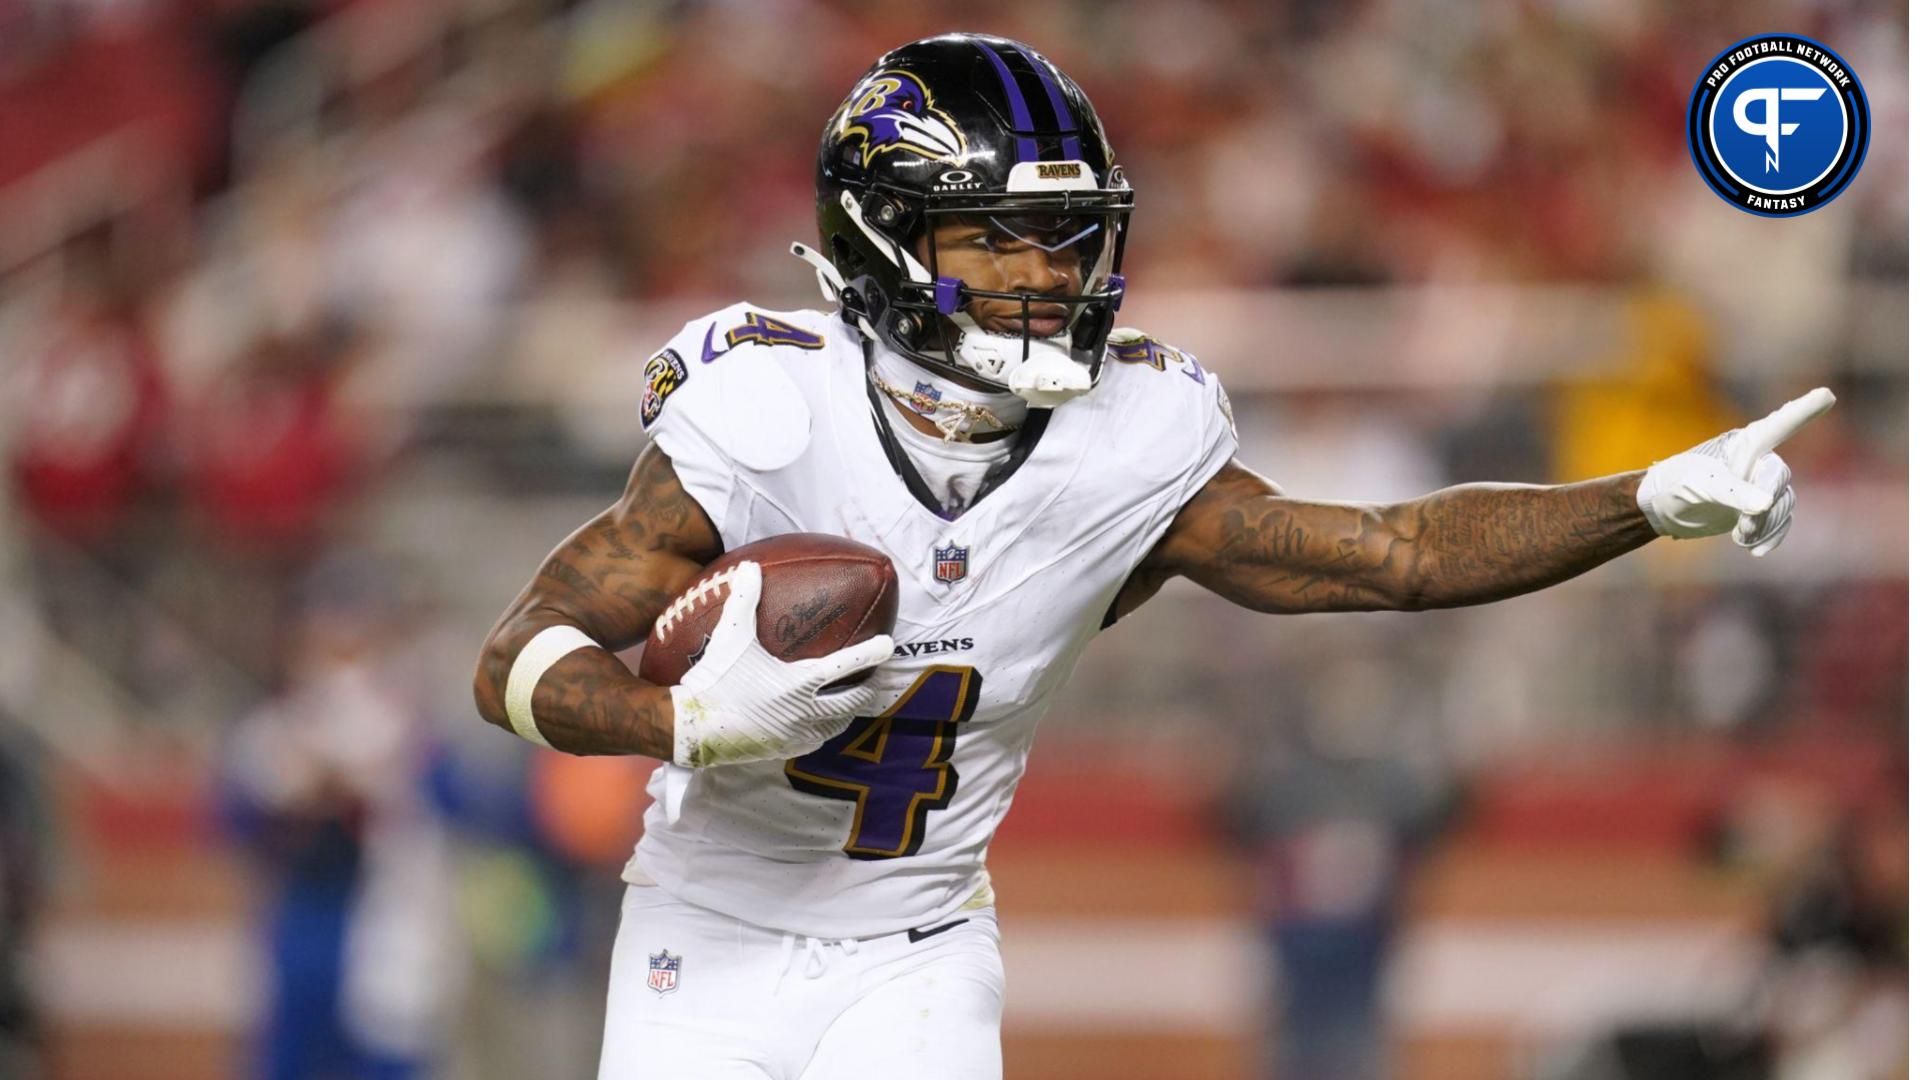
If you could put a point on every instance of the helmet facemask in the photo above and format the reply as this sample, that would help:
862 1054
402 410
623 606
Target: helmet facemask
1038 296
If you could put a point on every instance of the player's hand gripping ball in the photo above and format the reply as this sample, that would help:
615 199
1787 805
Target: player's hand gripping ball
768 651
818 593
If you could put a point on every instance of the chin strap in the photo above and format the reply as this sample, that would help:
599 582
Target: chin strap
831 283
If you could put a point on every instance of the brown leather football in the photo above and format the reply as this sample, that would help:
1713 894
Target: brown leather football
818 594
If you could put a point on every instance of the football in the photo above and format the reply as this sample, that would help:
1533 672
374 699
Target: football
818 594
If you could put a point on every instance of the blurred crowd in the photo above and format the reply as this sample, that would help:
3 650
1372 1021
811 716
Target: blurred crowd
299 300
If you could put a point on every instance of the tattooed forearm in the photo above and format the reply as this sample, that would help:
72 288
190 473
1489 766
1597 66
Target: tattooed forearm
611 579
1483 542
1465 545
589 703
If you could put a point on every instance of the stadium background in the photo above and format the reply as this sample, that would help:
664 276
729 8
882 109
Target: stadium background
320 322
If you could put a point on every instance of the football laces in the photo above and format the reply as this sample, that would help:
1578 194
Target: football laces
693 598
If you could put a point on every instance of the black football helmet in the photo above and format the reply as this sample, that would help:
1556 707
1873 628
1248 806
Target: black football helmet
985 130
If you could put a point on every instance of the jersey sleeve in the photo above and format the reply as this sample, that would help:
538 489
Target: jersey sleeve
1218 441
1179 404
1176 418
721 413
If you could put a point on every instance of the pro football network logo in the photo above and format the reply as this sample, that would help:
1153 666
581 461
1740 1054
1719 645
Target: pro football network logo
1778 125
949 563
663 972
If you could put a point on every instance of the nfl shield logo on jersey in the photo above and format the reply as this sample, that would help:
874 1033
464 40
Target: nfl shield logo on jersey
663 972
949 563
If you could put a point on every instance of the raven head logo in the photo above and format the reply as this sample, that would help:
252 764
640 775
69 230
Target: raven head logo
891 110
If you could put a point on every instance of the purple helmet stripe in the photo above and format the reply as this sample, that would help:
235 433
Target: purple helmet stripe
1069 146
1022 120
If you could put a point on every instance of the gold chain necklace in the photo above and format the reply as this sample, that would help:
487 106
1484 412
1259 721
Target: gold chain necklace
953 418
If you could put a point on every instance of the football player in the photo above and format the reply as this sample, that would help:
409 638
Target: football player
810 899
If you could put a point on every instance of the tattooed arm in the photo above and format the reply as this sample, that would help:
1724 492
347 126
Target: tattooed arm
611 579
1240 537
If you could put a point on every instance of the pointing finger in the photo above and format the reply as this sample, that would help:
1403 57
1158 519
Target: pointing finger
1761 436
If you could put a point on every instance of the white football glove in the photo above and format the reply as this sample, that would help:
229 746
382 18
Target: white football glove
740 703
1732 483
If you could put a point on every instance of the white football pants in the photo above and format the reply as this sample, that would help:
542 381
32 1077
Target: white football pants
696 995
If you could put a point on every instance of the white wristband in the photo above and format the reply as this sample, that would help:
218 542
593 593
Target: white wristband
545 650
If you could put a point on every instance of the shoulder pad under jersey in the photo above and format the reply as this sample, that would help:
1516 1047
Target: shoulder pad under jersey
723 379
1196 409
1127 346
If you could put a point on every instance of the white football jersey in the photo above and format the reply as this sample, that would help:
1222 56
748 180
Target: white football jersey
767 420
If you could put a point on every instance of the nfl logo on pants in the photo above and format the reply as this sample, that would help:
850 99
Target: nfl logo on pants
663 972
949 564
